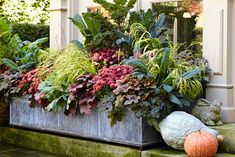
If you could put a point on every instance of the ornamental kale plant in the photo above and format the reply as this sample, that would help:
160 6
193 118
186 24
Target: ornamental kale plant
152 95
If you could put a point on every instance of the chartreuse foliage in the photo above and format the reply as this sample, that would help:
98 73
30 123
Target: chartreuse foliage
70 64
64 67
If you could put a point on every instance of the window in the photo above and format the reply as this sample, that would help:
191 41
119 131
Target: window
183 18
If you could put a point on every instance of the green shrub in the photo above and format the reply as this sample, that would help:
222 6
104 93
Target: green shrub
31 32
25 11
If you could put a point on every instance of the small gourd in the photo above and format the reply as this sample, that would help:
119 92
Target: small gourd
176 126
201 144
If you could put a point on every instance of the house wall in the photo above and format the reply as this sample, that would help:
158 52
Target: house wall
233 44
218 42
218 45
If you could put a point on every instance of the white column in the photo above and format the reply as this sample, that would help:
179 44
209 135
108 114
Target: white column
72 32
217 49
58 17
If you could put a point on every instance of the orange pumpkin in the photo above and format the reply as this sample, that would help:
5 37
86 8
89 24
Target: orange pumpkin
201 144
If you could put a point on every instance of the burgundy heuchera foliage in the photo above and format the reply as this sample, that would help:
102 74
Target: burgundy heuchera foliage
81 95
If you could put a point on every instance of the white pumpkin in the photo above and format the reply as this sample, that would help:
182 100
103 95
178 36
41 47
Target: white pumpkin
176 126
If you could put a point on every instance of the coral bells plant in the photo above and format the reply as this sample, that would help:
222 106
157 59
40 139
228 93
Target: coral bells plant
81 96
108 77
29 83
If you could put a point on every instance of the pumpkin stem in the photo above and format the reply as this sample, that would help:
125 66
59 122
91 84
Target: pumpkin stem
220 138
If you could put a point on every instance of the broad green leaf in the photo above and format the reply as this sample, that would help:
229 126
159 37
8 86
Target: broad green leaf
137 64
168 88
56 105
185 102
192 73
164 62
93 25
9 63
175 100
79 22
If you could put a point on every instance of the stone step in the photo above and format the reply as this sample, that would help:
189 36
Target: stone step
78 147
169 152
63 145
16 151
228 130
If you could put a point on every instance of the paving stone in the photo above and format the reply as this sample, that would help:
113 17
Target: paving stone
228 130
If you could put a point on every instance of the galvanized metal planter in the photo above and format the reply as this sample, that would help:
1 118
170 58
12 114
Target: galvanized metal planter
131 131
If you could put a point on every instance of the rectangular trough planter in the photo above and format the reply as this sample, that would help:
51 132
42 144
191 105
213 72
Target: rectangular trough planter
131 131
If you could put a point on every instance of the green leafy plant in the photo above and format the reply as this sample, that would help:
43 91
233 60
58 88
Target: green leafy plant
27 57
62 69
23 11
118 10
14 53
93 26
158 85
68 65
9 43
150 20
30 32
56 96
106 32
